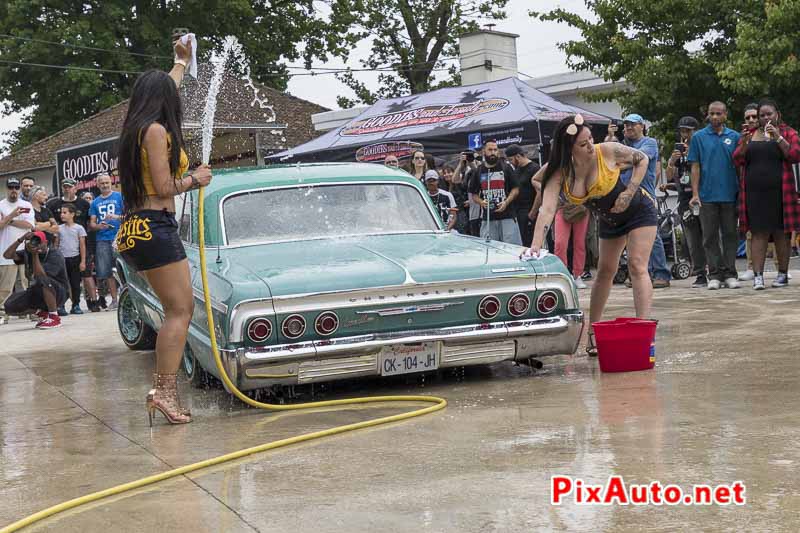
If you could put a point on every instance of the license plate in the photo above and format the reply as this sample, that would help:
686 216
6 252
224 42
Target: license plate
408 358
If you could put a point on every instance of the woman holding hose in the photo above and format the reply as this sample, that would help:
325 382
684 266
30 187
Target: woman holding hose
583 173
153 170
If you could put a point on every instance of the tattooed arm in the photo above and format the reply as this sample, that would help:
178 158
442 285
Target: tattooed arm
547 211
626 157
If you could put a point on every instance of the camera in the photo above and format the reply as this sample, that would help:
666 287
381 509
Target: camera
470 156
680 147
35 240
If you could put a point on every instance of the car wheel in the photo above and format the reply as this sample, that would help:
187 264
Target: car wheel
134 332
198 376
620 276
681 270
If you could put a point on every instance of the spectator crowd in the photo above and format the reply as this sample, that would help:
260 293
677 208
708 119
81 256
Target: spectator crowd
55 249
730 183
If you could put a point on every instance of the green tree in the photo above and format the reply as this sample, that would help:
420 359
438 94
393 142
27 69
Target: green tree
671 52
138 34
410 39
765 61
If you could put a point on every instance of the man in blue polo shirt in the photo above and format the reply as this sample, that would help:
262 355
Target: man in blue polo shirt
715 185
635 138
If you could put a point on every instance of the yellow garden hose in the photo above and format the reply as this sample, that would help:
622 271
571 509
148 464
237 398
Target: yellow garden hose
438 403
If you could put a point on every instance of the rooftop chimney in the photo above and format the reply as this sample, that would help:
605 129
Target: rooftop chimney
487 55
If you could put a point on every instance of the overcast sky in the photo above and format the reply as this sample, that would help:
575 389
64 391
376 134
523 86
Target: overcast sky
536 54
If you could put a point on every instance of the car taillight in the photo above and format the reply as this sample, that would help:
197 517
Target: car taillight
259 330
293 326
489 308
327 323
546 302
519 304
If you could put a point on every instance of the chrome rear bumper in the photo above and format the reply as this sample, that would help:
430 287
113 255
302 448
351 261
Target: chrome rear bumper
358 356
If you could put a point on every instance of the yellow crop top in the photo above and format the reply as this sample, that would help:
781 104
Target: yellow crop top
606 180
183 166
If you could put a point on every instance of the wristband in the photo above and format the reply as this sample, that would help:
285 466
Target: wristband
781 138
195 183
181 62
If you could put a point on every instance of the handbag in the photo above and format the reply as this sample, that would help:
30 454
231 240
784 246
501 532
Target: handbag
573 213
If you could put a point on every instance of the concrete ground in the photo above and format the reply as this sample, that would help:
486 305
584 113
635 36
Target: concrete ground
720 406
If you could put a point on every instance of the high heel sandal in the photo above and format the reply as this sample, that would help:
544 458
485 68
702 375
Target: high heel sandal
164 398
591 347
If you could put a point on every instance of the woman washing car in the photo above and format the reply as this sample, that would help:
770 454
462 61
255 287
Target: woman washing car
584 173
152 169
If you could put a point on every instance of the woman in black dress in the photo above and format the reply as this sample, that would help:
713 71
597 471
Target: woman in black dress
768 201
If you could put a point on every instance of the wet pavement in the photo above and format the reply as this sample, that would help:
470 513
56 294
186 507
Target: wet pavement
720 406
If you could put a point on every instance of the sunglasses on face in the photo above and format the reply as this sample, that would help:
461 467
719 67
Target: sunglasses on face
392 163
13 187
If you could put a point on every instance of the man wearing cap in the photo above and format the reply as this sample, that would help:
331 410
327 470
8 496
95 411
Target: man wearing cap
69 191
443 201
634 131
525 169
679 178
16 219
715 186
494 187
45 269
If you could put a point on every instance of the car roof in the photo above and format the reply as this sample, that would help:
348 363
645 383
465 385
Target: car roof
231 180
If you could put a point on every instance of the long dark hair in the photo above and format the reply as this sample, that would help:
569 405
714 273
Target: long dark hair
155 98
561 149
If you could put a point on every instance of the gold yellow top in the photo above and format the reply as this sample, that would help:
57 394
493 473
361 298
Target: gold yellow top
147 178
606 180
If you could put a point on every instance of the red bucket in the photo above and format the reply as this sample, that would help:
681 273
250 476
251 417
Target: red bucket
625 344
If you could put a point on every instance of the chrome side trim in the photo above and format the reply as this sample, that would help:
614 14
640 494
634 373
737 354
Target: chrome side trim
559 282
216 304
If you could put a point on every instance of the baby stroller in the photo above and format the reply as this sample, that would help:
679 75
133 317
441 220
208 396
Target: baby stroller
668 221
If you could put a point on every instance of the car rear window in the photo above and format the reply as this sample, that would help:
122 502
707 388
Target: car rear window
325 211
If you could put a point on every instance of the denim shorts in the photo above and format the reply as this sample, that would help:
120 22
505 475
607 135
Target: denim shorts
104 259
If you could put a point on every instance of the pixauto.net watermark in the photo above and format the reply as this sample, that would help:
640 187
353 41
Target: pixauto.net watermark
616 492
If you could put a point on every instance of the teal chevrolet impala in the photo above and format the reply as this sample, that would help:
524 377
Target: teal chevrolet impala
333 271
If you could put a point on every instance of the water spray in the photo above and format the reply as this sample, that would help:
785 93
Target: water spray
438 403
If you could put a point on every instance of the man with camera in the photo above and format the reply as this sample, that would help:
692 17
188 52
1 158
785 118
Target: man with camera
679 178
47 274
635 133
16 219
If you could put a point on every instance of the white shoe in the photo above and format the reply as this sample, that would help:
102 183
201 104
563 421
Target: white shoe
731 283
747 276
758 283
713 284
579 283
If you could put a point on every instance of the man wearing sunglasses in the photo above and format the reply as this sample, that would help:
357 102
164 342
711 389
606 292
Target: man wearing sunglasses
16 219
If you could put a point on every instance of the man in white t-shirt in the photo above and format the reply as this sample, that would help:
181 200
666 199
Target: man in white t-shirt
16 219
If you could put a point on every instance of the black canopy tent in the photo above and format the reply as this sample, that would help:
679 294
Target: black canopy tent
445 121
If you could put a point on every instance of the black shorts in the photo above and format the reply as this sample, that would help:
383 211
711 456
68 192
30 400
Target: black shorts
32 299
149 239
641 212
